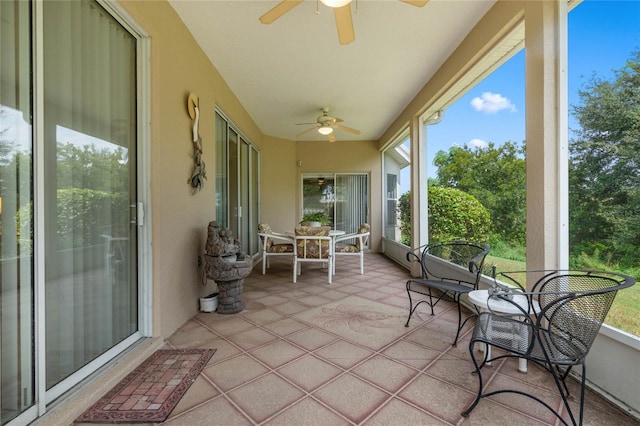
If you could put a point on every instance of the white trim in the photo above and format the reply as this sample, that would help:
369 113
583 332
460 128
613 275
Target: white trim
38 211
145 236
620 336
562 137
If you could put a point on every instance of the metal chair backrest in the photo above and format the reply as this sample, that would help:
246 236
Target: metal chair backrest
573 306
467 254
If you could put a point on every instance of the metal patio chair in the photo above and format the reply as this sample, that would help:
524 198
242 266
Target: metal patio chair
449 270
573 305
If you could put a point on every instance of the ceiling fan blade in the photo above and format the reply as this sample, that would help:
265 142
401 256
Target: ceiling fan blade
344 23
336 120
331 137
306 131
418 3
347 129
279 10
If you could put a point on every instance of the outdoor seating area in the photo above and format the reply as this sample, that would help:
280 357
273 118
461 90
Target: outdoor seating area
313 244
313 354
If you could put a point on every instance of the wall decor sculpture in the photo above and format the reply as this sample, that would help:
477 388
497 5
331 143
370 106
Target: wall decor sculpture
199 172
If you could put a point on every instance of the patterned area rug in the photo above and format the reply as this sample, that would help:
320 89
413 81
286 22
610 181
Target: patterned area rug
360 320
152 390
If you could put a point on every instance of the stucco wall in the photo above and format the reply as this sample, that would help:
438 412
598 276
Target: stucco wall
278 187
178 66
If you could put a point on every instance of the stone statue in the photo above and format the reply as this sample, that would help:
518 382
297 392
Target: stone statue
220 241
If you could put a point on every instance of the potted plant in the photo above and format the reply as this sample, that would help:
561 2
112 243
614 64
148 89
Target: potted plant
316 219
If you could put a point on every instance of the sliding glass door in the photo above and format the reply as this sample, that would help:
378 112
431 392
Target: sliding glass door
237 171
343 197
68 198
17 374
89 185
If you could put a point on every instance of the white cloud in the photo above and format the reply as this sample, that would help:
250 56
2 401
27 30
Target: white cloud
492 103
477 143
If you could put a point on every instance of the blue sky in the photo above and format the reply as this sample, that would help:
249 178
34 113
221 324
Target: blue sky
602 35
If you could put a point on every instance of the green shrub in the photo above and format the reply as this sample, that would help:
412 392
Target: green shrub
317 217
453 214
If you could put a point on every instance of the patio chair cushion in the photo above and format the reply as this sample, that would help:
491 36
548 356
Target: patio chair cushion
356 247
271 246
309 248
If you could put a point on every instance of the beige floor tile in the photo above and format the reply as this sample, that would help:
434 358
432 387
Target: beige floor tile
444 400
290 308
385 373
277 353
285 326
190 335
265 397
343 353
308 412
200 391
398 412
313 300
263 316
234 372
223 348
309 372
252 338
274 300
411 354
351 397
226 325
311 339
456 371
216 412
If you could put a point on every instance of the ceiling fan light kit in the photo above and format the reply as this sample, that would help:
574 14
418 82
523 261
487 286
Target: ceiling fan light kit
325 125
325 130
335 3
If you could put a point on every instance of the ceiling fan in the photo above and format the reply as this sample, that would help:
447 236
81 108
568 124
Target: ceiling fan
341 11
325 124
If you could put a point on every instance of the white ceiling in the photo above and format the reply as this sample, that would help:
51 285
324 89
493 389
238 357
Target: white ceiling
283 73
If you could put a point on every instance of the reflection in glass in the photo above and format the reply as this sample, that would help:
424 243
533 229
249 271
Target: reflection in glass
17 392
89 147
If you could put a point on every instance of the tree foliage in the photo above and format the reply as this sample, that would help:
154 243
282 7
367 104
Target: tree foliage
453 214
495 176
604 177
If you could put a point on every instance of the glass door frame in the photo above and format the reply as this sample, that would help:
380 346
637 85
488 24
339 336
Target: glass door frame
43 397
332 178
240 200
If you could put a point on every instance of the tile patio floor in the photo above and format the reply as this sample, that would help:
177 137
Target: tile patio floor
274 368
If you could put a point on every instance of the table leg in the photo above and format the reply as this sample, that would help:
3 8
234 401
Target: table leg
522 365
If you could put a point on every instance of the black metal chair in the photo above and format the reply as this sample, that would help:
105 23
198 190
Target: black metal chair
441 280
572 307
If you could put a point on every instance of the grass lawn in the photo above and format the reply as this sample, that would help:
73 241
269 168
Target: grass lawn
624 314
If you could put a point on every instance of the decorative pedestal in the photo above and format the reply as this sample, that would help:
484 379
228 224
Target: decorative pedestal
229 276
